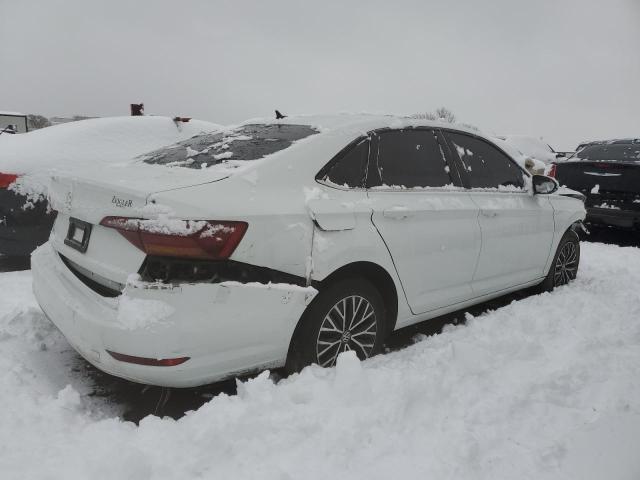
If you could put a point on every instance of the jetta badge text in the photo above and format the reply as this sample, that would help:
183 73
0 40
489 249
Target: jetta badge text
119 202
68 200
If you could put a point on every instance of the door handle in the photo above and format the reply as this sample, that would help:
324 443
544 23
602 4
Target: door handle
489 213
397 212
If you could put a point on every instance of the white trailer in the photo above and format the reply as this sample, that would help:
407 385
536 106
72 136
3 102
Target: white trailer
13 122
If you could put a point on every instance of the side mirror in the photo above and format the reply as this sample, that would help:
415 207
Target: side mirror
561 154
543 185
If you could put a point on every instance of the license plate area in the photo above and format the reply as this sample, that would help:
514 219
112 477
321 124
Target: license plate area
78 235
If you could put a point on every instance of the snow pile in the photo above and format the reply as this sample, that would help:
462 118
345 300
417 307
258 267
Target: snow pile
546 387
65 147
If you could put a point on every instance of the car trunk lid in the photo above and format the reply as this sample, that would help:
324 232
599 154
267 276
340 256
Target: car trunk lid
102 254
609 183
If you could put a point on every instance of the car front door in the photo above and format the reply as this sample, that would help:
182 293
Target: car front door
517 227
425 217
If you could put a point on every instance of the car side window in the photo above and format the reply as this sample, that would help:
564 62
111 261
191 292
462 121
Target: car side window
485 165
347 168
409 159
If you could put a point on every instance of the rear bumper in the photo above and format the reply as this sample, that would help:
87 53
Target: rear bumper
22 229
222 328
613 217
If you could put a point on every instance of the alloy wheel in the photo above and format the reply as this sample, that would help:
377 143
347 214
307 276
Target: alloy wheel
349 325
566 266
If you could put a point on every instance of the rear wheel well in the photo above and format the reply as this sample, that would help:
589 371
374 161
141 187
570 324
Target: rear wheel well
380 279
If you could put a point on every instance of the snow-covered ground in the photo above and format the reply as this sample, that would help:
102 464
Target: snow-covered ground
546 387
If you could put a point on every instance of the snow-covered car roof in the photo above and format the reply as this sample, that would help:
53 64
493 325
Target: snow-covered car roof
268 138
96 140
363 122
217 155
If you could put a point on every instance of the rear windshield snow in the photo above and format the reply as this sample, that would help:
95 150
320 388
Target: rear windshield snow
249 142
622 152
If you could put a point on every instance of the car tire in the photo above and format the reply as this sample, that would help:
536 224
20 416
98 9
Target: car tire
564 268
347 315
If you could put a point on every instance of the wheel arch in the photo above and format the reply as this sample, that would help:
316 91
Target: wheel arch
574 228
374 273
379 278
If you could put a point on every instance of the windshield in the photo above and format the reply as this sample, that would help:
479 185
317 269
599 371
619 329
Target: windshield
620 152
249 142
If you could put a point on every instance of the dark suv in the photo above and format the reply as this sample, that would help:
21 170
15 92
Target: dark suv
608 174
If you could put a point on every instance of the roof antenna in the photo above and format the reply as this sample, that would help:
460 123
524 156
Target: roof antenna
280 116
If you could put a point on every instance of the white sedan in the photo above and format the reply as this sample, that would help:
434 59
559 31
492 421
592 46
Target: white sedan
285 243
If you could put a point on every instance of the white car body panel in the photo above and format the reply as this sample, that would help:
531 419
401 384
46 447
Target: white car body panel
438 250
228 341
435 268
517 231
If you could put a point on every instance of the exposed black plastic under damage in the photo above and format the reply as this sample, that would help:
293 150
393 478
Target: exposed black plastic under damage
92 284
177 270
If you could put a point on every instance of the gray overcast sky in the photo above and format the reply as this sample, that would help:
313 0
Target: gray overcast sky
565 70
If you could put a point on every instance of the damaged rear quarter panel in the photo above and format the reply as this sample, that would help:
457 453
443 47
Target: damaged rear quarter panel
237 326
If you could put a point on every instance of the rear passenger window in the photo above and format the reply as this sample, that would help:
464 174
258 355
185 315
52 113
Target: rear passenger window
486 166
348 169
410 158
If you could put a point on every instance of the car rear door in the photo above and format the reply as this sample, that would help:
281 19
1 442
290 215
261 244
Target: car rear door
425 217
517 227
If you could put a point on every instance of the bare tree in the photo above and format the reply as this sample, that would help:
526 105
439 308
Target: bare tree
445 115
441 114
34 122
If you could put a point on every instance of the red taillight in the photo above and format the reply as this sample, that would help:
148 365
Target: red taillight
151 362
201 239
552 171
7 179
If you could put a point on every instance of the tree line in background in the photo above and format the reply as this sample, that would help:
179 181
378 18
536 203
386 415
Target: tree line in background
35 122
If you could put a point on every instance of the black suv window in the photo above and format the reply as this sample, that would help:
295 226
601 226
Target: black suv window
410 158
610 152
486 166
248 142
347 169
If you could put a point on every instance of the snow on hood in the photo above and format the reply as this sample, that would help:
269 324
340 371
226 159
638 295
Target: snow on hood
70 146
531 147
527 162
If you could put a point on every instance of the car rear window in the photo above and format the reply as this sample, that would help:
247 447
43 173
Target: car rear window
249 142
611 152
347 168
